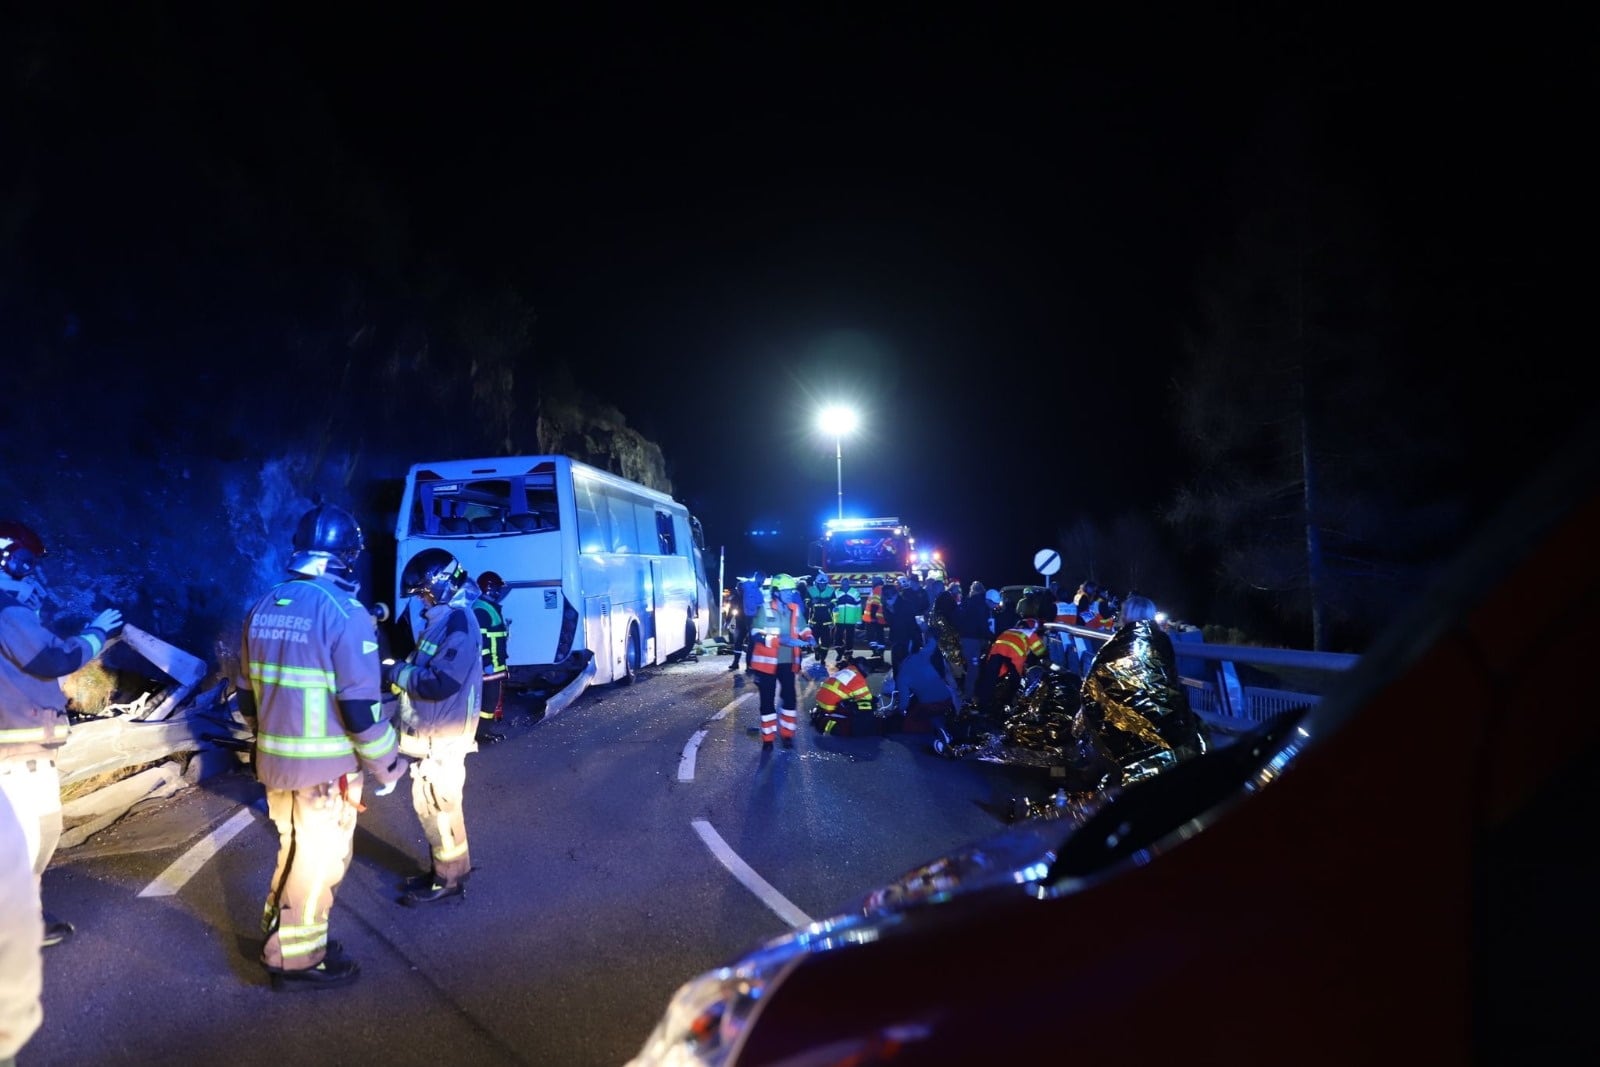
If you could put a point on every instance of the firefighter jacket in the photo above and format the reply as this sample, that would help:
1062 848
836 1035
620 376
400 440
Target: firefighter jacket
441 683
33 716
1021 645
872 609
847 685
310 686
846 608
492 626
822 598
778 633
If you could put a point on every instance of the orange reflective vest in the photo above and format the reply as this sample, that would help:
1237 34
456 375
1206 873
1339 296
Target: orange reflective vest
1019 643
872 609
847 685
770 646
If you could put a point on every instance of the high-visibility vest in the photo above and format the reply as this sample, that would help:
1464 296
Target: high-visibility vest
872 611
768 647
846 685
846 609
1019 643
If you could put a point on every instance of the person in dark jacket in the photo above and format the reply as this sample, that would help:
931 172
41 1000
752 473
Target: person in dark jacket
310 687
33 708
496 632
906 612
750 599
974 619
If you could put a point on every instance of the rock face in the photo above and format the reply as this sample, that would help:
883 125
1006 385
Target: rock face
598 435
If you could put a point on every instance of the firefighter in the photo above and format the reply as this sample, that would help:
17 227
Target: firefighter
845 692
440 686
1013 652
495 631
874 620
778 637
823 595
33 708
310 688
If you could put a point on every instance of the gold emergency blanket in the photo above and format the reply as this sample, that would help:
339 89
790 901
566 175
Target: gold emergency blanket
1134 718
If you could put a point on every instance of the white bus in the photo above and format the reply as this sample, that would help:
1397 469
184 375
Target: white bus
603 575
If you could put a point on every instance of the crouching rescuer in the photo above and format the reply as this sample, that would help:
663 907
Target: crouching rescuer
311 690
842 699
440 686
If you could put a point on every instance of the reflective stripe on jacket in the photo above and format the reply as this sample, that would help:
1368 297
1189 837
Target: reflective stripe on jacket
492 627
1018 644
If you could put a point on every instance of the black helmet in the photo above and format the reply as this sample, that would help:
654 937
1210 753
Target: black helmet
492 585
327 535
434 575
20 549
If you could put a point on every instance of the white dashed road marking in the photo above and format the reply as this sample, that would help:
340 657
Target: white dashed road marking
169 881
774 900
690 750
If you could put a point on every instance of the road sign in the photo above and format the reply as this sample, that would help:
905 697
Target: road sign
1047 561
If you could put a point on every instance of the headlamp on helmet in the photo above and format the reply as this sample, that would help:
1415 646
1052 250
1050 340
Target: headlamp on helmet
434 575
20 549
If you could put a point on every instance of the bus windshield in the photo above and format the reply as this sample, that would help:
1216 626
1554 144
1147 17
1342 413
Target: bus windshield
523 503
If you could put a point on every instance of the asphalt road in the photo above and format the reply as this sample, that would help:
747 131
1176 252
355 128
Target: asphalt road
635 839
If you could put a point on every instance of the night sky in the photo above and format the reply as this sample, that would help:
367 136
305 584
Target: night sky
982 229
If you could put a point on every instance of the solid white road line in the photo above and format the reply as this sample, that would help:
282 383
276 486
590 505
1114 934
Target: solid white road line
169 881
690 750
774 900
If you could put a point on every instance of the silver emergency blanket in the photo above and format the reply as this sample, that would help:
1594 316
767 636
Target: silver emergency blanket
1134 719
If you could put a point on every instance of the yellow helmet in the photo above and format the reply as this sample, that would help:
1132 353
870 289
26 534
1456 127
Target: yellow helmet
783 583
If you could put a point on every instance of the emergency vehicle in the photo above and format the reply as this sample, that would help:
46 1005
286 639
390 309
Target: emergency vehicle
871 552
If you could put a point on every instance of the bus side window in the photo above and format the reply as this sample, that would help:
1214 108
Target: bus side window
664 534
524 521
454 524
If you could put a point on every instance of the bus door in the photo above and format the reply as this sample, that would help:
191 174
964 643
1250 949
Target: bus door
670 594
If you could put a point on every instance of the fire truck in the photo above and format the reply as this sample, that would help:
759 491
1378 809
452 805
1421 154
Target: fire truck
872 551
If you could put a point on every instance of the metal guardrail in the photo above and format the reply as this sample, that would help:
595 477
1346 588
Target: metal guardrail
1221 699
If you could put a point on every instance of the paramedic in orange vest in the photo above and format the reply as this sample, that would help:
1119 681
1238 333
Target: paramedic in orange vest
778 638
846 691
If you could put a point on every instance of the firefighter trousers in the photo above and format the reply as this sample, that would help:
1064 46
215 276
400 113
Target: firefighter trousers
316 830
33 785
438 790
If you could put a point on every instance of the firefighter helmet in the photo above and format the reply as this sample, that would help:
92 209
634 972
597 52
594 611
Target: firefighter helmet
782 583
434 575
492 585
327 537
20 549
